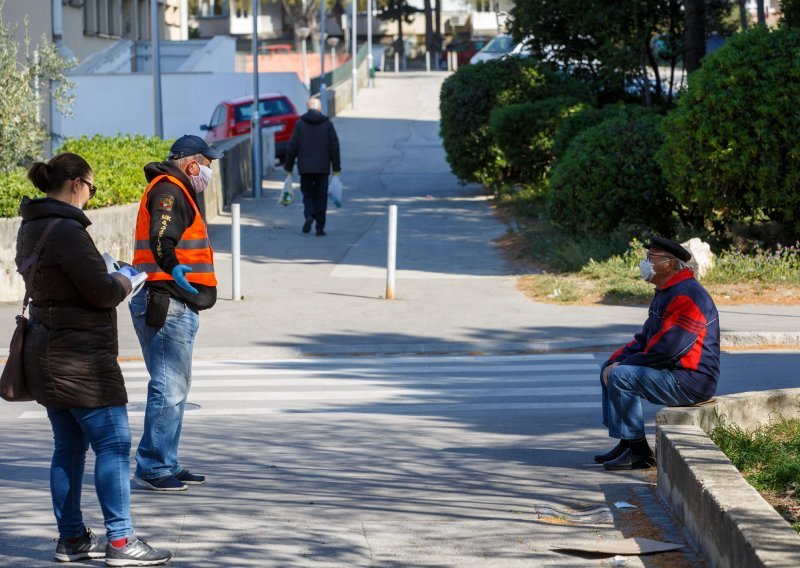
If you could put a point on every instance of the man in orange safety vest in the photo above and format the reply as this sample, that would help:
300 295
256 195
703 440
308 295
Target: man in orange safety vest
173 248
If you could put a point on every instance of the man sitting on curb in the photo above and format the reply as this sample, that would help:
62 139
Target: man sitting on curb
673 360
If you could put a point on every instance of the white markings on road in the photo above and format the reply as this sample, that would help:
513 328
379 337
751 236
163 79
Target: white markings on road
401 385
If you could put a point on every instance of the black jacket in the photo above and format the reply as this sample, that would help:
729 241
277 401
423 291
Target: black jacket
170 215
314 145
71 343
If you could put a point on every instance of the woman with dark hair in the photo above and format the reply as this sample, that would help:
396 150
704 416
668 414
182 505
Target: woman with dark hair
71 363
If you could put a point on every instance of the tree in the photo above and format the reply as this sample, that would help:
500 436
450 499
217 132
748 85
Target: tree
791 13
724 169
399 11
24 78
695 34
608 42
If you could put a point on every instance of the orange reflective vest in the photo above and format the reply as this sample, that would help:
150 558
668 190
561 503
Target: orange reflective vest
194 248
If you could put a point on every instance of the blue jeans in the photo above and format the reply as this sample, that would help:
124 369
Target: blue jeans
168 356
106 430
627 385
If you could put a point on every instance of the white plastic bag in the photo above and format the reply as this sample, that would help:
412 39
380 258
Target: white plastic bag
335 191
287 193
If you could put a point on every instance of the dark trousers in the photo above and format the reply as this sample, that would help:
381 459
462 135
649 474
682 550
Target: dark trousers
315 197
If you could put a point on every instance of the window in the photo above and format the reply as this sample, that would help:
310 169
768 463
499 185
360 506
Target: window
270 107
208 8
101 17
218 117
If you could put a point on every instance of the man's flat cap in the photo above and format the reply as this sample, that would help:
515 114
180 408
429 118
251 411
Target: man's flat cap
191 145
671 247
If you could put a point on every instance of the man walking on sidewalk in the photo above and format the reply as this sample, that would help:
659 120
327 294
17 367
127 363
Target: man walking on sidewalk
172 247
673 360
316 147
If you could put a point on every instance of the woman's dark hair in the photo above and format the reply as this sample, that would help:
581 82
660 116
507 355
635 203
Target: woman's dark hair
52 175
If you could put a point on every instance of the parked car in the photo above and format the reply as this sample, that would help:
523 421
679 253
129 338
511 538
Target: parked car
464 49
232 118
495 49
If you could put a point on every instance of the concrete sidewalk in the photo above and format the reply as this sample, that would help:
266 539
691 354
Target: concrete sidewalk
309 295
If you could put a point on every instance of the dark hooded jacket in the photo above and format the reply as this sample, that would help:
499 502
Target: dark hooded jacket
71 344
170 215
314 145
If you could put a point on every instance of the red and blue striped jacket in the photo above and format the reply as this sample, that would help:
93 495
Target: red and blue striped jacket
681 334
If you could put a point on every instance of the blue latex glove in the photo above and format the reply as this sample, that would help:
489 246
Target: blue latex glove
179 275
127 271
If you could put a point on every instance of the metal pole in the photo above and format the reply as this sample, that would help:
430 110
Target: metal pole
323 95
306 80
354 60
370 62
255 128
391 252
155 48
236 251
396 62
428 61
333 57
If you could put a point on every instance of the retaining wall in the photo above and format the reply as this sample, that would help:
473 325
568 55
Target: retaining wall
729 520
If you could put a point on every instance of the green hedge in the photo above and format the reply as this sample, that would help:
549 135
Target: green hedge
732 151
467 99
608 179
524 134
116 162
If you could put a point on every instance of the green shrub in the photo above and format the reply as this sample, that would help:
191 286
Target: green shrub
467 99
608 179
731 150
524 134
576 122
116 162
14 185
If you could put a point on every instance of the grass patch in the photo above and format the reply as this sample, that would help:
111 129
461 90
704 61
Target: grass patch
769 459
604 268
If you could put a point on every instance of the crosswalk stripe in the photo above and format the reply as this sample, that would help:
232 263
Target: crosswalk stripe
368 372
370 409
269 382
349 395
371 361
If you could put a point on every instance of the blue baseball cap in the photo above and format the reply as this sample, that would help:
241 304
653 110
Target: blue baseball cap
190 145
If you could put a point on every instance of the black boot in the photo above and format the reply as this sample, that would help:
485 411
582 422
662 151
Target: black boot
307 224
637 456
612 454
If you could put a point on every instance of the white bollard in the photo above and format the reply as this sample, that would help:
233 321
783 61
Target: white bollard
396 62
236 251
383 62
428 61
391 252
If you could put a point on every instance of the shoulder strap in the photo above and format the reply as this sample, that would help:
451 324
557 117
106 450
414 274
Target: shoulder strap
28 268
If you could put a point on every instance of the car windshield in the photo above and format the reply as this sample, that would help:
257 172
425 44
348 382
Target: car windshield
269 107
500 44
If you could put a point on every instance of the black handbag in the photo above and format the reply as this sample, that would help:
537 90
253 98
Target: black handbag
13 386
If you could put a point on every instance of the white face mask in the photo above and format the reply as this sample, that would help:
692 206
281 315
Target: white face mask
646 270
200 181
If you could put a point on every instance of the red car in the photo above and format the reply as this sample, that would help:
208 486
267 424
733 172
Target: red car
232 118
